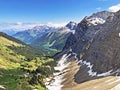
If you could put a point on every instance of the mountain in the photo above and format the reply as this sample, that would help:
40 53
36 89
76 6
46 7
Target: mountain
106 54
72 25
85 30
29 35
55 40
49 37
103 15
22 67
96 46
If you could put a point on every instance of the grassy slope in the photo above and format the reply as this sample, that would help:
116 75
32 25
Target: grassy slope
17 59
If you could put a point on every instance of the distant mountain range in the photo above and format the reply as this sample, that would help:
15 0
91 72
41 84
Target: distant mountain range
29 35
51 38
12 28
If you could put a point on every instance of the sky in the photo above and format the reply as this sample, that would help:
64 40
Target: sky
52 11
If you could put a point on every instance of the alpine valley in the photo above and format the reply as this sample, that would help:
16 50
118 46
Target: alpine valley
76 56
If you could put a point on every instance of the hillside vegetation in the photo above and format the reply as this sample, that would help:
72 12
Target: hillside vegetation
21 66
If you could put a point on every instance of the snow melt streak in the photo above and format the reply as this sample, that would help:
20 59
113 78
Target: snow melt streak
91 72
56 84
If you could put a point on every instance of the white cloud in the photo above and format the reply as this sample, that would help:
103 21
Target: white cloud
19 26
56 24
114 8
19 23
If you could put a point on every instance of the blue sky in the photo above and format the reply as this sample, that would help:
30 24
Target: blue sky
45 11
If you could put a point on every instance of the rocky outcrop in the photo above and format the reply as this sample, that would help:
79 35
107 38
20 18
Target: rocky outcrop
84 33
72 25
97 47
104 52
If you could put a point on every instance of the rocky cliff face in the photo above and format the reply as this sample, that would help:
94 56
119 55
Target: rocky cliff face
97 47
72 25
104 52
85 32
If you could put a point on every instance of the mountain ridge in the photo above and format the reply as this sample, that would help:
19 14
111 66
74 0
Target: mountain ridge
83 44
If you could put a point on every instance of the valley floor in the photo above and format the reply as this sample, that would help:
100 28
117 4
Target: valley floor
106 83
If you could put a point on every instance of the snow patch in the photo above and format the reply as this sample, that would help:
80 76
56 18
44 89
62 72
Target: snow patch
66 30
49 34
62 63
105 74
91 72
55 84
52 43
73 31
75 55
119 34
96 21
2 87
35 89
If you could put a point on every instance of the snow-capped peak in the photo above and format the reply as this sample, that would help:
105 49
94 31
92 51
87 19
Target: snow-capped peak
98 18
72 25
41 27
96 21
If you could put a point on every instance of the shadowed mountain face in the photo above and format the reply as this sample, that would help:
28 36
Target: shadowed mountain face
88 27
97 46
104 52
86 30
72 25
